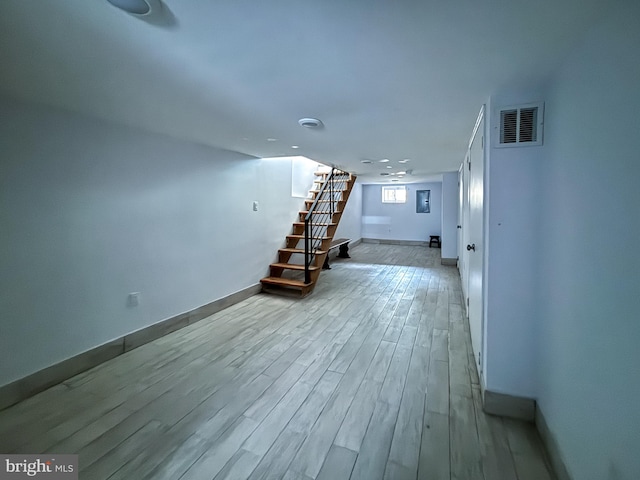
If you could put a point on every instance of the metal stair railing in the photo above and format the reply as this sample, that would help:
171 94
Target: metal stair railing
320 215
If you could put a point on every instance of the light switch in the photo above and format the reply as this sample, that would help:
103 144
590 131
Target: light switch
133 300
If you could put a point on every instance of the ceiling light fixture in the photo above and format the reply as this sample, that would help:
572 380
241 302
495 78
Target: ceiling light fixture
310 123
404 161
389 166
272 139
295 146
135 7
384 160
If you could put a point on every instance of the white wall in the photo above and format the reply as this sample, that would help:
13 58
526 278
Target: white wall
91 211
512 238
302 169
399 221
351 222
449 215
588 276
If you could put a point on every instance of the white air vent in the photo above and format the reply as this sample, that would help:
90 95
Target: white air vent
310 123
521 125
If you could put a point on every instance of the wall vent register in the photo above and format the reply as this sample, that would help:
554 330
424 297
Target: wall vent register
521 125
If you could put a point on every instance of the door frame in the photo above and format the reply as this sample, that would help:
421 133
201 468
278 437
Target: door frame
469 180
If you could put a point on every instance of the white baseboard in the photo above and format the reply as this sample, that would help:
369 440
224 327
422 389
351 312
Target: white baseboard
413 243
508 405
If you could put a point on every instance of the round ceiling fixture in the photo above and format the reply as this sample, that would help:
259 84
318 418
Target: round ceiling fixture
135 7
310 123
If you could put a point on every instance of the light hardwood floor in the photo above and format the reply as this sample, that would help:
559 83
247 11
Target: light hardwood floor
370 377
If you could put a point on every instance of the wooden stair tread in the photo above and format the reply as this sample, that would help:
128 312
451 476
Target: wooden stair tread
317 224
304 212
286 282
301 237
300 250
336 178
317 190
293 266
335 172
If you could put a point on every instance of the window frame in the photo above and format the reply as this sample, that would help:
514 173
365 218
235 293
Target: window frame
394 189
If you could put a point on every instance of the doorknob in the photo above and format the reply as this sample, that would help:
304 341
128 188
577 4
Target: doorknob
471 247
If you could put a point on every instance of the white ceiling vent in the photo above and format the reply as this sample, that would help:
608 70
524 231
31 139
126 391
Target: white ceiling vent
135 7
310 123
521 125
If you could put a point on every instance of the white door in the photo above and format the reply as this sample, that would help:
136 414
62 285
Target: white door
459 221
474 245
463 231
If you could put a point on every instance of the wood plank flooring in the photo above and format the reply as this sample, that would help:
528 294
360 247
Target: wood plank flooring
371 377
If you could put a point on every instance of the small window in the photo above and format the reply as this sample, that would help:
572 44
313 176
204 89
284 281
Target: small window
394 194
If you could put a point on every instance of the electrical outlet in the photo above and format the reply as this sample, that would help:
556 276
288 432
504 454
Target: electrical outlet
133 300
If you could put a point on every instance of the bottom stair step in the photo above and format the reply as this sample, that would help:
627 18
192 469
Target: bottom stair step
286 286
285 282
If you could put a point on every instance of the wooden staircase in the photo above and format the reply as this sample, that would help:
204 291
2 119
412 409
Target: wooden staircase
300 261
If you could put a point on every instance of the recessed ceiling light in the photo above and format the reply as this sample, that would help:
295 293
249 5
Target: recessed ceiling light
366 161
272 139
295 146
404 161
389 166
401 173
310 123
136 7
384 160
